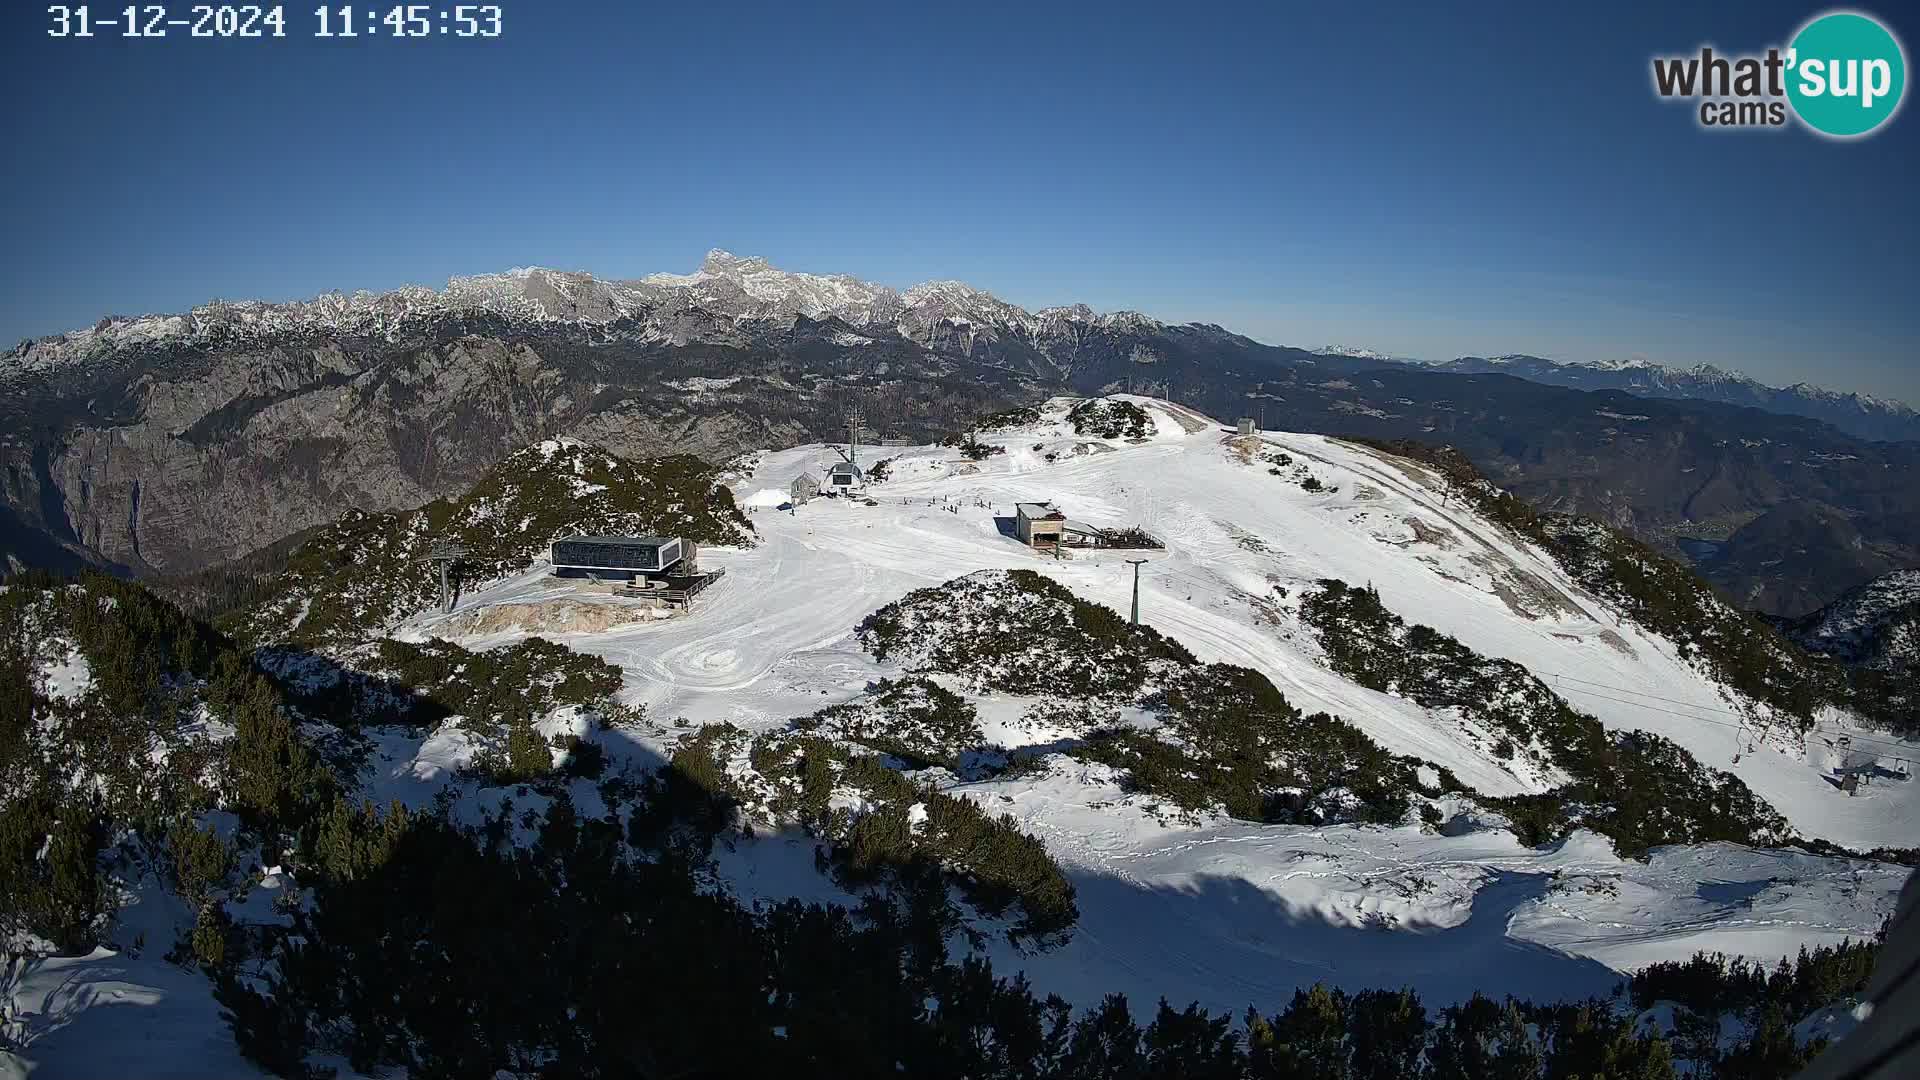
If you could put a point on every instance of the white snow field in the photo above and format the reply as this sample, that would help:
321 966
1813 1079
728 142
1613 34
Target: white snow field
1227 912
1223 912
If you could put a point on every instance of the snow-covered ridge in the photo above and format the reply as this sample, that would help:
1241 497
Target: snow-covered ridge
1355 351
1641 375
1848 627
733 287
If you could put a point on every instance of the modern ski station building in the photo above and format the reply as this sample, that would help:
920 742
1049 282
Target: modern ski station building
619 558
661 569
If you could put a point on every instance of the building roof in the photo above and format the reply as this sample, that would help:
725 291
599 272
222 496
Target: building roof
1037 510
841 468
654 540
1083 527
807 477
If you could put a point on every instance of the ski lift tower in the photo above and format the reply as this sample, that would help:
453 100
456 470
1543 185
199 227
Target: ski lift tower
856 427
446 553
1136 564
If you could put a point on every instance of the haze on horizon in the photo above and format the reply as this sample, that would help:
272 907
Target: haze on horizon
1301 177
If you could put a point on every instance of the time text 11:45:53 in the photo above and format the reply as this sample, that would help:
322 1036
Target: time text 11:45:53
270 21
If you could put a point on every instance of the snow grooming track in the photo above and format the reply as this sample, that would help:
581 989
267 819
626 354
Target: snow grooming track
1230 913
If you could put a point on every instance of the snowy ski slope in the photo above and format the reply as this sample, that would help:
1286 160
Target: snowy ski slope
1222 912
772 640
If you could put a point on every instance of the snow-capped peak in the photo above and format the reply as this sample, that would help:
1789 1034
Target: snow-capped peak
1355 351
729 286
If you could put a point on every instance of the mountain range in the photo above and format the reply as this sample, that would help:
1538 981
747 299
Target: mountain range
164 445
1861 415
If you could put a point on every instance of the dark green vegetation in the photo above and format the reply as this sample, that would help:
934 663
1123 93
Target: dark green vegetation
231 587
1110 418
138 751
1018 416
1872 634
1888 698
1231 741
94 775
549 940
969 444
573 956
1734 647
365 571
903 833
974 450
1020 632
492 689
1638 788
1228 739
914 719
1769 1004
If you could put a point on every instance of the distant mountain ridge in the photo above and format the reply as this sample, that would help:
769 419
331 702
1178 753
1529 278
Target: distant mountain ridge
1861 415
670 308
747 290
170 444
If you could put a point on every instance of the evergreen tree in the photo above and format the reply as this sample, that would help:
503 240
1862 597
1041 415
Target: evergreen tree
1770 1053
1482 1040
272 775
1387 1030
1105 1044
1191 1045
1309 1038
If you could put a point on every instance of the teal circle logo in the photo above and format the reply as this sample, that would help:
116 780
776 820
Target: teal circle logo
1846 74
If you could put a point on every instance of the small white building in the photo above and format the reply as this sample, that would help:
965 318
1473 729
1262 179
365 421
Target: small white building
1246 425
804 487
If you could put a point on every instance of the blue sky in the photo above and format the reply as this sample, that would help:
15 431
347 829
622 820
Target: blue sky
1412 178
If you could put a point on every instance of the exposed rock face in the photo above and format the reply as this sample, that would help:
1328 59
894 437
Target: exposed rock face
206 461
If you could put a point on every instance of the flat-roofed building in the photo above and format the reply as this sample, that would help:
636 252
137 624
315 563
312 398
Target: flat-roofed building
617 557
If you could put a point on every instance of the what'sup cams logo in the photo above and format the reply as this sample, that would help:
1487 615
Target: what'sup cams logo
1843 76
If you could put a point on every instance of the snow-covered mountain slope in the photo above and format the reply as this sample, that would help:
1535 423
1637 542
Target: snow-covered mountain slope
667 307
1242 546
1873 624
1862 415
1239 908
1874 631
1193 906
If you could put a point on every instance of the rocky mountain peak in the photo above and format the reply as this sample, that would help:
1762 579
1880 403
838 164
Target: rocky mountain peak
723 263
